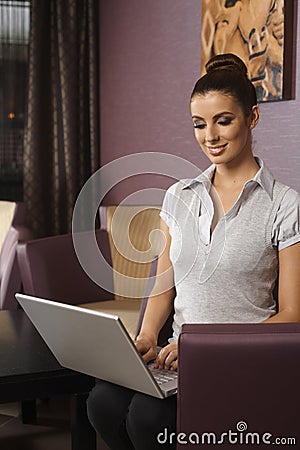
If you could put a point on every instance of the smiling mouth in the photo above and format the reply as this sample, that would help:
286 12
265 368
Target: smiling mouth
216 150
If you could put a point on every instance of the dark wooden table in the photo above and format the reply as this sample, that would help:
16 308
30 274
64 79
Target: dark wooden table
28 370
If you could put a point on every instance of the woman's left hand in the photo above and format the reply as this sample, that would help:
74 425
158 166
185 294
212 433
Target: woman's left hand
167 358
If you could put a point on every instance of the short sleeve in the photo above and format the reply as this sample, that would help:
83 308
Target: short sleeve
286 228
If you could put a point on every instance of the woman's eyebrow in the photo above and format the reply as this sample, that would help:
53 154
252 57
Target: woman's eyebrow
216 116
223 113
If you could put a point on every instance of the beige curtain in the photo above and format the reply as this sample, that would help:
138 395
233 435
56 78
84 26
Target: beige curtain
61 133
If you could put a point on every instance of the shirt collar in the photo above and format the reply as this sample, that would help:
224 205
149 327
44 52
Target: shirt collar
263 177
204 178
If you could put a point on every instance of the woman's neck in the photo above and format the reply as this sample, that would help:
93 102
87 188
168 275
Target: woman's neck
235 174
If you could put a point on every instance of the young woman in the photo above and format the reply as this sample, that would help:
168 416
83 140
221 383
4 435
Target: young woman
231 234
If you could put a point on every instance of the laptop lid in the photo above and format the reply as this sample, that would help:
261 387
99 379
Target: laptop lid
93 343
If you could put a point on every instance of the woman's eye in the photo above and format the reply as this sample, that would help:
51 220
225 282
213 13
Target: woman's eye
225 122
199 125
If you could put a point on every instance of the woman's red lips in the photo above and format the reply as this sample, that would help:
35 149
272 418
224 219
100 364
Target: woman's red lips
216 150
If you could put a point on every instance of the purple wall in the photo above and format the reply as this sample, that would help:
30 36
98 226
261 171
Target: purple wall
149 61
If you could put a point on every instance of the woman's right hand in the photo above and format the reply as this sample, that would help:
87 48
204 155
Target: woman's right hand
147 347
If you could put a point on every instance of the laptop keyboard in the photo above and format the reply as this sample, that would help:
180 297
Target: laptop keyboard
163 375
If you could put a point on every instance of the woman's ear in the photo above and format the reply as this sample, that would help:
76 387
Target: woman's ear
254 116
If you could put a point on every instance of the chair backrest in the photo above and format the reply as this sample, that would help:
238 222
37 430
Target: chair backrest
135 247
50 269
10 279
239 377
133 244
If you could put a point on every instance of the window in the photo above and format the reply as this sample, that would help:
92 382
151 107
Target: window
14 45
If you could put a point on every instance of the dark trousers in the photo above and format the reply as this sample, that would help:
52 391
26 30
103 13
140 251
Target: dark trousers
127 419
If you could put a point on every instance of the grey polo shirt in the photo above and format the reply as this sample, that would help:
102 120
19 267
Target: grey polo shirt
228 275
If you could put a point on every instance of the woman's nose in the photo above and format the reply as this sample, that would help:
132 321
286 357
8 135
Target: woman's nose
212 134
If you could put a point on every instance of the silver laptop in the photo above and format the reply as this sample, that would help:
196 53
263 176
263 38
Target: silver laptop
96 344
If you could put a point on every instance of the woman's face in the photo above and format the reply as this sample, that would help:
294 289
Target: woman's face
221 127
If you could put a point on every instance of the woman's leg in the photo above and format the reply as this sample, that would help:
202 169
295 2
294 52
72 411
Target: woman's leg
128 420
148 418
107 408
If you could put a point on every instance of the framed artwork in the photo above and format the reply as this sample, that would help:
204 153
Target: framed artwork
262 33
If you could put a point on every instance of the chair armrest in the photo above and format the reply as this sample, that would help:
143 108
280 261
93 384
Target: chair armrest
233 373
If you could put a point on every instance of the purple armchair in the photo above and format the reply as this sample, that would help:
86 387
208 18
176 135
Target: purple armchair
50 269
239 384
10 279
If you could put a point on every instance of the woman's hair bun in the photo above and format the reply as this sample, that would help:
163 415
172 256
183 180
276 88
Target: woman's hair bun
226 61
227 74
